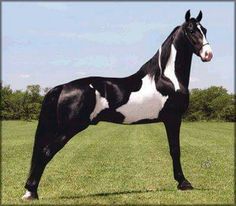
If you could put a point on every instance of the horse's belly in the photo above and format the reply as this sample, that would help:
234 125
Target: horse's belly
143 104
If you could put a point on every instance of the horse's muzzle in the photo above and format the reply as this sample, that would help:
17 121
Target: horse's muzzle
206 53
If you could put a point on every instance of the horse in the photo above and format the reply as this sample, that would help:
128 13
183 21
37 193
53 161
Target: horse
157 92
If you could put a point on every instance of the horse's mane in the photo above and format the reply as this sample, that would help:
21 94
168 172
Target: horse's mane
151 67
171 35
165 52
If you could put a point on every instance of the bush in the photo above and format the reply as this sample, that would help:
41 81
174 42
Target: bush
20 104
213 103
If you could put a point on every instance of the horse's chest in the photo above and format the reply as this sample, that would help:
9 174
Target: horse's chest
143 104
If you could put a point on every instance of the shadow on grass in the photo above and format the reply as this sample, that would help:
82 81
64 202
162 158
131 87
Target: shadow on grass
114 193
102 194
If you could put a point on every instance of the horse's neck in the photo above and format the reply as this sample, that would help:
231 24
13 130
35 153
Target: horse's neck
177 61
180 62
183 66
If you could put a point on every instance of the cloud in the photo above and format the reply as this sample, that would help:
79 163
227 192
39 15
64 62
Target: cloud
121 34
96 62
107 37
61 62
110 34
9 42
24 76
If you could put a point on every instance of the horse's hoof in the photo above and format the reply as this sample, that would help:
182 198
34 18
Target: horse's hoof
30 196
185 185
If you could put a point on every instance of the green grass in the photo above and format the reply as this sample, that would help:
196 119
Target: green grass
121 164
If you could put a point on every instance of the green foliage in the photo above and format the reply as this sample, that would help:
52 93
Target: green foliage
228 113
32 102
213 103
21 104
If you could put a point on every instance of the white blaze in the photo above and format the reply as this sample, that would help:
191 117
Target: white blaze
143 104
170 68
204 37
206 51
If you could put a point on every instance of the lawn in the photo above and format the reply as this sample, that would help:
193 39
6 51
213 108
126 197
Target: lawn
121 164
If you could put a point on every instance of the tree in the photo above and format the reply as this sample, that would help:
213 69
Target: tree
32 102
21 104
6 103
213 103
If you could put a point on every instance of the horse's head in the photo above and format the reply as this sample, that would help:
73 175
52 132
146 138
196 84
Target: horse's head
195 35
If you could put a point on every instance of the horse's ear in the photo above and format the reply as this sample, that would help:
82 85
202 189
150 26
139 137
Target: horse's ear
199 17
187 15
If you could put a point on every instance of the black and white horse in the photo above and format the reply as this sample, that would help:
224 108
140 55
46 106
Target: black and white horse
158 92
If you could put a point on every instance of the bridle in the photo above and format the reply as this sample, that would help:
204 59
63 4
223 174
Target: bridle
198 51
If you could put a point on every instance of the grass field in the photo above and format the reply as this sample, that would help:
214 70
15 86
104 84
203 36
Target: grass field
121 164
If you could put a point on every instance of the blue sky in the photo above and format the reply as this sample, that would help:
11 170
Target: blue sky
51 43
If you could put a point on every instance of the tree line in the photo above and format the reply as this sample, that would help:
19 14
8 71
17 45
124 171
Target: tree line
211 104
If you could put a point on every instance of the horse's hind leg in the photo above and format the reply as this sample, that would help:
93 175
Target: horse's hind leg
60 120
44 149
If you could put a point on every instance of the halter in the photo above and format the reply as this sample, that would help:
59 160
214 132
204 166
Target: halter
185 33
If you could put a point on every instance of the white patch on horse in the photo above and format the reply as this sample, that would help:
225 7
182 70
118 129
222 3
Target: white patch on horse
170 68
27 195
204 41
91 86
101 104
143 104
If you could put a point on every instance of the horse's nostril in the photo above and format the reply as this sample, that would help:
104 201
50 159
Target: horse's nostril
210 54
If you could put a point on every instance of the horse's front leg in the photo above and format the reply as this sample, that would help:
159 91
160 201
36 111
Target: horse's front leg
172 124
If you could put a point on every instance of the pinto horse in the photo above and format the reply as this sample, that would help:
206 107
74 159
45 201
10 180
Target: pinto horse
158 92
